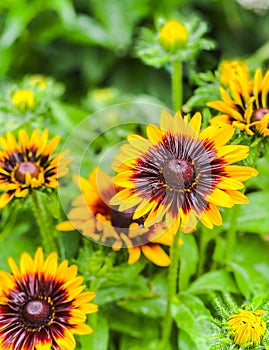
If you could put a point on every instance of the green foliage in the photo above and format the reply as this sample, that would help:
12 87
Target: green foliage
95 58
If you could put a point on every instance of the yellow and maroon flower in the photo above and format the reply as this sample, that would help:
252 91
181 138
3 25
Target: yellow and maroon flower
180 174
29 164
42 305
245 103
97 219
247 327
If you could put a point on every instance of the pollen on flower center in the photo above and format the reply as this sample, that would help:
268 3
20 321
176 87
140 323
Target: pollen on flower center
179 173
259 114
36 313
23 169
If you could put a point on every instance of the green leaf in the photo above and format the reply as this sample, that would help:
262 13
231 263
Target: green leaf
185 341
220 280
194 318
150 304
133 289
100 336
131 324
254 216
131 343
250 264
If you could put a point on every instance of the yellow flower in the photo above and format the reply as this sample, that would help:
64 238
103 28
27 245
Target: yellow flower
29 164
42 305
247 327
38 80
173 36
230 69
245 103
105 224
23 99
180 173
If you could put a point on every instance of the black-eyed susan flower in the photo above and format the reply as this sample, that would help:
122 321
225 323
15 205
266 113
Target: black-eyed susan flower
245 103
173 35
23 99
42 304
29 164
247 328
97 219
180 173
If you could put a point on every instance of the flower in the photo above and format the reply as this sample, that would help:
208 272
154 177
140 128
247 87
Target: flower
38 80
173 36
230 69
96 219
23 99
42 305
247 327
29 164
180 174
245 105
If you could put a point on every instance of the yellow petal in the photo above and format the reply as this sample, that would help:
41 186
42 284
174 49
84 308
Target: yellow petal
156 254
220 198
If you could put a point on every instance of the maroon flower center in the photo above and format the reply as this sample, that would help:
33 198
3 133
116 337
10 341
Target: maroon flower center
178 173
123 219
36 313
259 114
23 169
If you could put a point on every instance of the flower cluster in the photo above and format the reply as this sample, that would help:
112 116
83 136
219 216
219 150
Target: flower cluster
245 101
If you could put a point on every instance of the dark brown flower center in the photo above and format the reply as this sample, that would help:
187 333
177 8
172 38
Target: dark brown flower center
23 169
36 313
123 219
259 114
178 173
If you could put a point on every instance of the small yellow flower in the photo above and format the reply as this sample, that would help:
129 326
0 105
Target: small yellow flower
104 95
23 99
247 327
38 80
173 36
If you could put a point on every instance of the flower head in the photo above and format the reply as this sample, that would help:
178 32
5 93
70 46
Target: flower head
180 174
38 80
28 164
230 69
247 327
173 36
23 99
97 219
42 305
245 104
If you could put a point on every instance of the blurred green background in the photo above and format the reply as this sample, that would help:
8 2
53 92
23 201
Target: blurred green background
89 43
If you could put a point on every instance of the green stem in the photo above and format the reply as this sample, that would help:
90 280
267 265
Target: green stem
202 250
44 223
231 234
172 290
177 84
